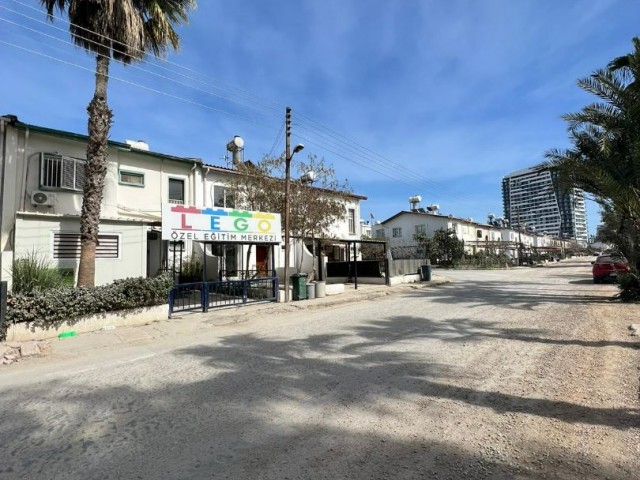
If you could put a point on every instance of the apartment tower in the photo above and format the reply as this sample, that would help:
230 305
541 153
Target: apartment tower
533 198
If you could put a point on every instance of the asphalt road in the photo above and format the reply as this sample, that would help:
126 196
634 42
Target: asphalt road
522 373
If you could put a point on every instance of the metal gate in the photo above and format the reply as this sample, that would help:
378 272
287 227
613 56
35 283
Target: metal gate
202 296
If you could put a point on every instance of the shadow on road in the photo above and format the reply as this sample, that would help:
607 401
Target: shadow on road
516 295
381 332
245 416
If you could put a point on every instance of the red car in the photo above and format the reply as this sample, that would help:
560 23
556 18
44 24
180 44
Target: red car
608 266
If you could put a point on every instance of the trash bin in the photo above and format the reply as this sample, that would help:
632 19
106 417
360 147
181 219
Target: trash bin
311 290
321 289
299 285
425 273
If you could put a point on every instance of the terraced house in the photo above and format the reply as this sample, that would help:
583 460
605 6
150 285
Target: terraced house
41 198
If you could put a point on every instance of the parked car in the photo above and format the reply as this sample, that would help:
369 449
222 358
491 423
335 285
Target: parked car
609 266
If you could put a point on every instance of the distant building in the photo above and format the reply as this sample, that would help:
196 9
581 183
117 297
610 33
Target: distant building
533 198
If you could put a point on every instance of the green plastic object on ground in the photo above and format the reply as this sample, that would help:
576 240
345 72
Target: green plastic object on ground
72 333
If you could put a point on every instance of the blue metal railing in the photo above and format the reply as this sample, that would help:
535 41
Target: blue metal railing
206 295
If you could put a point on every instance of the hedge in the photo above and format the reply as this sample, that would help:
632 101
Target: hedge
51 308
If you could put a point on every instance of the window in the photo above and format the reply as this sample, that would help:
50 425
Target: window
223 197
230 259
134 179
176 247
67 246
176 191
60 172
421 229
396 232
351 216
479 233
380 233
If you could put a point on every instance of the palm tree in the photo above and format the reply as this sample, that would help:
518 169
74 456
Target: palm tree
124 30
605 157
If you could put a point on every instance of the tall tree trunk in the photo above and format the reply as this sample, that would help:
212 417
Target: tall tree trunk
95 172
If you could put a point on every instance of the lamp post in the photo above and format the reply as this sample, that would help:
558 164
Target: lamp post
288 155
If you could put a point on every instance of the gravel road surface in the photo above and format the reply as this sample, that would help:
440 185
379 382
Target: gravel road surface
525 373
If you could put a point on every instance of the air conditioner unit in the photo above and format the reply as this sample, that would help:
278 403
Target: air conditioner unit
43 198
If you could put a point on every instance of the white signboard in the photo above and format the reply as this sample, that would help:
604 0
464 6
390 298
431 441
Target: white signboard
226 225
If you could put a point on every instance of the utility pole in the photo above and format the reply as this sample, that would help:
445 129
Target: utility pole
287 193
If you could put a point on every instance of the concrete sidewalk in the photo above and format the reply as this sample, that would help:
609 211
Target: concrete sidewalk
158 335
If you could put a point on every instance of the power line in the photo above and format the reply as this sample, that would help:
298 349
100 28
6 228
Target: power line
242 102
273 105
144 87
277 140
364 152
398 171
325 134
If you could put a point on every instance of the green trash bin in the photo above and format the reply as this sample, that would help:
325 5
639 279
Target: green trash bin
425 273
299 285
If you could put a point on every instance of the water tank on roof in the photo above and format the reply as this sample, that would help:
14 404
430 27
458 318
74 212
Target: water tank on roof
236 147
414 201
138 144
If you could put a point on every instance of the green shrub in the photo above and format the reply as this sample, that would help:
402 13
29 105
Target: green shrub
629 285
191 270
51 308
483 259
34 273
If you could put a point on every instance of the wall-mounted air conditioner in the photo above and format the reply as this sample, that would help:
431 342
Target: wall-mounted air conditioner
46 199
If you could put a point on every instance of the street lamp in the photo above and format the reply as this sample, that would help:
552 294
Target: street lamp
287 192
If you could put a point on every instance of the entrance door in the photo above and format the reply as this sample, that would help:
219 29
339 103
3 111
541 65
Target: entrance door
154 254
262 260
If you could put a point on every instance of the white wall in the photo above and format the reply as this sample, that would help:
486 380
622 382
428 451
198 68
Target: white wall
121 202
407 222
34 233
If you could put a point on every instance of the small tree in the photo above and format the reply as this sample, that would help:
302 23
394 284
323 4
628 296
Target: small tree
443 248
315 206
428 246
318 205
371 251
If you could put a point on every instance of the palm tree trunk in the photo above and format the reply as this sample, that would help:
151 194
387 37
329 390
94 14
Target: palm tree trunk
95 172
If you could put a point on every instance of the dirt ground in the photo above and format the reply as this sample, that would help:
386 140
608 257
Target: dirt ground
525 373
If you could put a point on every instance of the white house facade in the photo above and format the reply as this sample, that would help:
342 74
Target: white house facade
218 193
400 229
41 198
42 182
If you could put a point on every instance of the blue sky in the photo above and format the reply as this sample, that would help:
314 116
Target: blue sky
436 98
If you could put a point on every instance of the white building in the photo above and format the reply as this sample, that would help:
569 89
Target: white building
532 197
42 181
41 197
400 229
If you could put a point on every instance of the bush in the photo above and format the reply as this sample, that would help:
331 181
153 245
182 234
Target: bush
191 270
629 285
483 259
51 308
34 273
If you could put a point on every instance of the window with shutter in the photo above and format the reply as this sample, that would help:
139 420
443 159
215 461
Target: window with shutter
58 172
67 246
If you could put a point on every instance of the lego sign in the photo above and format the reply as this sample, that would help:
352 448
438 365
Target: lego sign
225 225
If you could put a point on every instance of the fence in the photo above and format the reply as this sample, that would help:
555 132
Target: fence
405 266
203 296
